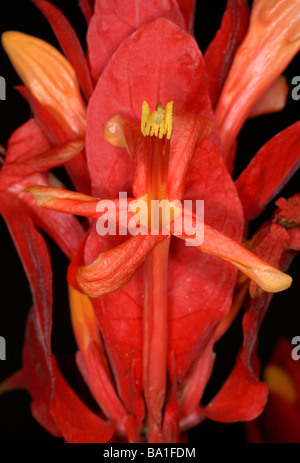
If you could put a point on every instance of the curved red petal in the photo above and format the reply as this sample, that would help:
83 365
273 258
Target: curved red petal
114 268
44 161
261 181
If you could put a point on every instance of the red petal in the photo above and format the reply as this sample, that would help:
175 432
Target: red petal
267 277
171 413
269 171
273 100
188 131
36 262
271 43
87 8
26 141
50 127
61 200
121 330
33 253
69 43
77 167
133 62
37 372
65 230
44 381
200 289
188 10
113 21
43 161
76 422
220 53
242 398
15 381
195 384
54 399
101 385
114 268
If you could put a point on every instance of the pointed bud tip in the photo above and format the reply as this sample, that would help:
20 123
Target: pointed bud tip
113 132
270 279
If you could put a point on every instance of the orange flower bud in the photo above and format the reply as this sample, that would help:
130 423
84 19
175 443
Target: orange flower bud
50 78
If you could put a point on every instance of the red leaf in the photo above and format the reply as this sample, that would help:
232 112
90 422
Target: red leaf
116 20
260 181
69 43
220 53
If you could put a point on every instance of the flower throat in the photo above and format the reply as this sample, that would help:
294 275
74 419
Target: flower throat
157 128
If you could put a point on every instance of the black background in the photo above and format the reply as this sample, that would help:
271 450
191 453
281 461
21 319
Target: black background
283 319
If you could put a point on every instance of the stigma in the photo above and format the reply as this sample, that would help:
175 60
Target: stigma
158 123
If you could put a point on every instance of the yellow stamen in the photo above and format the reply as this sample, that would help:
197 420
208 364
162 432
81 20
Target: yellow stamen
159 123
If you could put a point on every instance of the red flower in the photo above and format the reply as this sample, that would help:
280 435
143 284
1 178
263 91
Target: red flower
157 330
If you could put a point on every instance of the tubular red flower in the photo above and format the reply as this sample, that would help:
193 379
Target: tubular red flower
271 42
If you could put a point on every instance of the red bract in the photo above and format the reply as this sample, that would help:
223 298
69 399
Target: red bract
146 310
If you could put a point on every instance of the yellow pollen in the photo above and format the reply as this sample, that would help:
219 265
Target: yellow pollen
159 123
